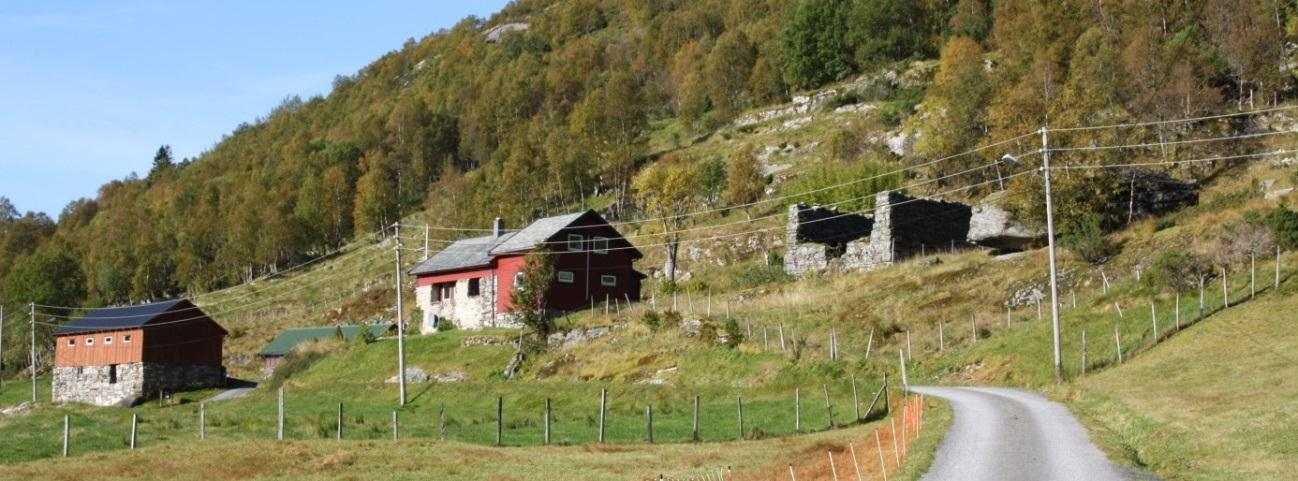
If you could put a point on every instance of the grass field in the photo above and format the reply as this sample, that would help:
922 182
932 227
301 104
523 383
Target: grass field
1214 403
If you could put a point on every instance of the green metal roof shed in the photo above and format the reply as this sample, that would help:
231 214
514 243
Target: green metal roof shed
291 338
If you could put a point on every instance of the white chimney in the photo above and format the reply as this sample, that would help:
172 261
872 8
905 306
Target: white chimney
498 227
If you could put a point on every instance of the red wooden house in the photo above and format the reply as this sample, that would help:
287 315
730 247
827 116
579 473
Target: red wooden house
120 355
471 282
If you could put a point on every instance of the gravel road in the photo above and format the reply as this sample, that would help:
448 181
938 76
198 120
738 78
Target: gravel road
1010 435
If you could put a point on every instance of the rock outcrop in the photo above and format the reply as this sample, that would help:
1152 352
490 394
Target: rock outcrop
994 227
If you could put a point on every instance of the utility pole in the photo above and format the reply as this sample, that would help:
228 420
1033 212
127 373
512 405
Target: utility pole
1050 237
425 241
32 306
2 342
401 325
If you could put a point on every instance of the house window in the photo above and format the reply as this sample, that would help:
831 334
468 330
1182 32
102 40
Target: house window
90 341
566 277
445 291
126 339
72 342
574 242
475 287
608 280
108 339
112 374
601 245
518 281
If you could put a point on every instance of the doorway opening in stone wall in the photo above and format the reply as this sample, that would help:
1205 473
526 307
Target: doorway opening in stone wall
112 374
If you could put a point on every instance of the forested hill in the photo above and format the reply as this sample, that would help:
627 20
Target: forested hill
550 105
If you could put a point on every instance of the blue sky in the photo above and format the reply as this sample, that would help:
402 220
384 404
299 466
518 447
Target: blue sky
89 90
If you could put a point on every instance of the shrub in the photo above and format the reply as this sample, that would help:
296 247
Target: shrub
1284 226
757 274
1086 239
652 320
733 335
299 360
1177 271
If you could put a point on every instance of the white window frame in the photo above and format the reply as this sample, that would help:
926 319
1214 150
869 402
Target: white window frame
599 245
578 239
518 281
108 339
90 341
570 277
72 342
126 339
604 280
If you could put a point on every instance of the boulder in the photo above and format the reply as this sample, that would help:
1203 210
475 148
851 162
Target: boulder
994 227
414 375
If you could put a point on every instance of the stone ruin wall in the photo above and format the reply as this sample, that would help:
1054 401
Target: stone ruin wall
822 239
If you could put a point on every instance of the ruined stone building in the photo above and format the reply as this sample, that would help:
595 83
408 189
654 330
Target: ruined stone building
820 239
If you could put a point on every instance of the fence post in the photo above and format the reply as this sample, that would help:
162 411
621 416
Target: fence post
797 410
279 431
134 428
1117 342
202 421
603 411
792 477
1225 289
909 353
441 422
829 408
883 465
694 430
1177 319
649 423
500 419
1119 307
1200 298
396 426
1007 316
973 328
1252 275
856 401
782 348
1153 317
832 470
547 421
339 433
1277 266
739 401
766 339
869 343
941 336
67 426
857 466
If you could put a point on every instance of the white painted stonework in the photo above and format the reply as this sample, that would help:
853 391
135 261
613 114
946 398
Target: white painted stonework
463 311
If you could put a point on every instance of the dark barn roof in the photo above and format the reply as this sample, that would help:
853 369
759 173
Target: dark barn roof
129 317
478 251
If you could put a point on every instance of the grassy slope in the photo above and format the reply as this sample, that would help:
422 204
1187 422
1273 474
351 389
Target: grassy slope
1216 403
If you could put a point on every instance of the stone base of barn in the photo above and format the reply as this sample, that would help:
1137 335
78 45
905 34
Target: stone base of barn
127 384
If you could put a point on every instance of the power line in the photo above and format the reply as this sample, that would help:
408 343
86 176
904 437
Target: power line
1172 142
1172 121
1171 162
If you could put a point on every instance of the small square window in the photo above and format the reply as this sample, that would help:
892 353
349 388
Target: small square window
90 341
518 281
475 287
108 339
126 339
566 277
575 242
72 342
608 280
601 245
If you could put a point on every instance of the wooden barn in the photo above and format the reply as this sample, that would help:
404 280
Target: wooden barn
117 356
471 282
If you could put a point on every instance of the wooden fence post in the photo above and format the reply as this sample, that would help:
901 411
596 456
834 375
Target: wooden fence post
1277 266
67 426
134 428
279 431
829 408
883 465
1008 316
766 339
441 422
396 426
782 348
339 433
547 421
857 466
1177 318
1201 280
1117 342
941 336
792 477
649 423
603 411
1225 289
739 401
973 328
832 469
202 421
1153 317
797 410
869 343
500 419
856 401
1252 275
694 430
909 352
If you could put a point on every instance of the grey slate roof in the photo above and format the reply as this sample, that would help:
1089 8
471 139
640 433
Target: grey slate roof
462 254
127 317
537 232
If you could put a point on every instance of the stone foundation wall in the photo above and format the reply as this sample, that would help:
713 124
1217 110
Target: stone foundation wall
134 382
466 312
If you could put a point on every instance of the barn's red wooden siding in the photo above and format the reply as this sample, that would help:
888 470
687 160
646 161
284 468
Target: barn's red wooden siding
172 338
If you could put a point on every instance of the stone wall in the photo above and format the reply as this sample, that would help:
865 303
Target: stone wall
466 312
134 382
821 239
